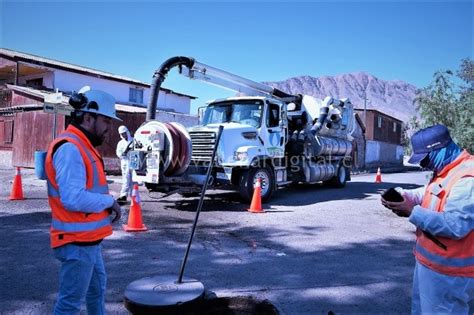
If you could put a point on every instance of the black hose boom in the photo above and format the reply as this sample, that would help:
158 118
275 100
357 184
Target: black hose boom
158 78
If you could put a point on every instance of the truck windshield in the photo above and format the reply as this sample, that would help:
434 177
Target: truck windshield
242 112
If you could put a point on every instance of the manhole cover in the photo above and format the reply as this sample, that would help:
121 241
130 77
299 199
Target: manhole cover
161 295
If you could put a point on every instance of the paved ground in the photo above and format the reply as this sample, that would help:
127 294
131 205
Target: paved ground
314 250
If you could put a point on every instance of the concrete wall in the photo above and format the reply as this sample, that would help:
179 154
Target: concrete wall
382 153
68 81
6 158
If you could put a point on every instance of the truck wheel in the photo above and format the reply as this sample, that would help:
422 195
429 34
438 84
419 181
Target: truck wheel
249 178
340 179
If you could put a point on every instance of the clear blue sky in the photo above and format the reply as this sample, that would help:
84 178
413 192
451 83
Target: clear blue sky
263 41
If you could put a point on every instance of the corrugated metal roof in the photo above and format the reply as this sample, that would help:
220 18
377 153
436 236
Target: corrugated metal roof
38 59
13 54
33 91
9 111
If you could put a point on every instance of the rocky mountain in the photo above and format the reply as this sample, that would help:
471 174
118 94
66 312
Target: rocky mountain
394 98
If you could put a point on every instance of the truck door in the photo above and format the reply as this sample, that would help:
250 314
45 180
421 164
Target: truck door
273 131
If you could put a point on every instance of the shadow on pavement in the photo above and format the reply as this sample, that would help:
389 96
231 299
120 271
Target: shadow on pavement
369 277
216 200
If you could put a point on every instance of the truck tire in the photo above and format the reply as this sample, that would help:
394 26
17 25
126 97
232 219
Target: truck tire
339 181
249 178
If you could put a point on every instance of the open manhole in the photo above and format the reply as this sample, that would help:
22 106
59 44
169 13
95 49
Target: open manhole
237 305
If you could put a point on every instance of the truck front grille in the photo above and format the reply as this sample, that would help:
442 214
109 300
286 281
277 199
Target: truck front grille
203 144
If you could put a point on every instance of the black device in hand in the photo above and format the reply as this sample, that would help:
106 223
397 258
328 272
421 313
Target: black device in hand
392 195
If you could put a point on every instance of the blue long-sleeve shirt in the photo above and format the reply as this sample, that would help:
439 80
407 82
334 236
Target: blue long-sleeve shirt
457 218
71 179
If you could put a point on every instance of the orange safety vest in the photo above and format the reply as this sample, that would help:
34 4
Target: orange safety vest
77 226
458 257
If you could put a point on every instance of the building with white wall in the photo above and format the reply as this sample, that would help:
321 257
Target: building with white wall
23 69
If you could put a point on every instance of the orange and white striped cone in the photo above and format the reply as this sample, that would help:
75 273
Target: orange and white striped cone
256 204
378 177
17 190
135 223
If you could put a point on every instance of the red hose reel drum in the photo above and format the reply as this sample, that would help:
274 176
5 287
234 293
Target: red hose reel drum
177 148
181 142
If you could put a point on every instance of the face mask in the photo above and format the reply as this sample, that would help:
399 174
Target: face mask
436 160
424 163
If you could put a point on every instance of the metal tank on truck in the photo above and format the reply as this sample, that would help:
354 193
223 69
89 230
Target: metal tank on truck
267 134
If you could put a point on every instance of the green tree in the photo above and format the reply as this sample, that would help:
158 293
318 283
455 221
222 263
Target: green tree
450 104
408 130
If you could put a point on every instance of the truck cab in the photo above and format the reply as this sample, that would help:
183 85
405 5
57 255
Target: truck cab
255 134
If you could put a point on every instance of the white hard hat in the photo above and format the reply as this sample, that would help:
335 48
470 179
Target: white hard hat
95 101
122 129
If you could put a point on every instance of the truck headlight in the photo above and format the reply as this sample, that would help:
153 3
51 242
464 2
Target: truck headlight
240 156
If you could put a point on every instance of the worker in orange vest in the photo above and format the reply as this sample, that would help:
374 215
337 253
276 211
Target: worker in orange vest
443 213
80 202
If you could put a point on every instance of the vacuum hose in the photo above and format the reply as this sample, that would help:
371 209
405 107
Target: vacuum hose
158 78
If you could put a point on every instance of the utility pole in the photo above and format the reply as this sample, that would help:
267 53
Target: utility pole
365 108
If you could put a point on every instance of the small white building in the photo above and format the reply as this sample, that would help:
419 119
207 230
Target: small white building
23 69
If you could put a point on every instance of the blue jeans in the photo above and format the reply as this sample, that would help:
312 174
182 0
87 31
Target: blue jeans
82 277
436 293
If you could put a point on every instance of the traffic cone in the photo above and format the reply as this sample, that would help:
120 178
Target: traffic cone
256 204
378 177
135 223
17 190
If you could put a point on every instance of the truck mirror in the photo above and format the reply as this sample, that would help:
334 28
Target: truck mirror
201 114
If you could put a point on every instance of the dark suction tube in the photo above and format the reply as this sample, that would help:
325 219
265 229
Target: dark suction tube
323 114
158 78
201 200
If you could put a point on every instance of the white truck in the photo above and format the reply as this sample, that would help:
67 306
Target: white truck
268 134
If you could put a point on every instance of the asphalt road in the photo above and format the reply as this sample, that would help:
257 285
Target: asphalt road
314 250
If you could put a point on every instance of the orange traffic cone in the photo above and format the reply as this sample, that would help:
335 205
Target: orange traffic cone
17 190
378 177
256 204
135 223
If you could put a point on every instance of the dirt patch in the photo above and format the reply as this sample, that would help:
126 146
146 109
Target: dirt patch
238 305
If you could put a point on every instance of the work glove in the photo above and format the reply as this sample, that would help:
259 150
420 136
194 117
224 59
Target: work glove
116 210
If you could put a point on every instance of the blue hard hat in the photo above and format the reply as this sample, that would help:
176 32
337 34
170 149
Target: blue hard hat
429 139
